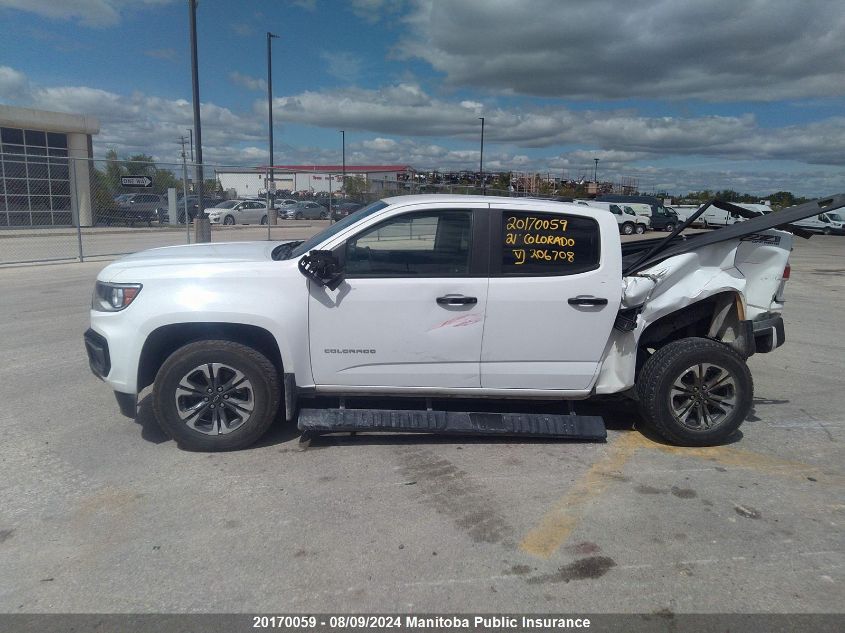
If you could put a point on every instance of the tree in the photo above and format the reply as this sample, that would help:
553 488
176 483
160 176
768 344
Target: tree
355 187
114 170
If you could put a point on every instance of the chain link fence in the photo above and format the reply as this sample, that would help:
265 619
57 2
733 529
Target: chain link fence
57 208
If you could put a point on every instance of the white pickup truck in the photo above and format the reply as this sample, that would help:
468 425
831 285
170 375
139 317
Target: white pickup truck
436 297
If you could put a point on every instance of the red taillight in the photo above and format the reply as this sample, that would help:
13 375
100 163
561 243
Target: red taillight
786 272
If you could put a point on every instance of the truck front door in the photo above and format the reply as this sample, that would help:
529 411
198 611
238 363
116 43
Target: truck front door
555 290
410 311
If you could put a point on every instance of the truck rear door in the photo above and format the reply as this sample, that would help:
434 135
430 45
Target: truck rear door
555 289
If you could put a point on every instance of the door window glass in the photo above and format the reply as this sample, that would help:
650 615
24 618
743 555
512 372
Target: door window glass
548 243
431 244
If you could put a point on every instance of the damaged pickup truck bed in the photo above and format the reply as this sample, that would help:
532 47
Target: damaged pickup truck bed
435 297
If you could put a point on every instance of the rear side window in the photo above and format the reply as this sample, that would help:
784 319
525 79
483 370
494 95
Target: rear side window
548 243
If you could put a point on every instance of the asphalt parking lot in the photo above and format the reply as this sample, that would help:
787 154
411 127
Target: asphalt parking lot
102 514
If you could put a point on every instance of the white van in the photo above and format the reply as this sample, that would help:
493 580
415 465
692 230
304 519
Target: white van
684 211
714 216
627 219
824 223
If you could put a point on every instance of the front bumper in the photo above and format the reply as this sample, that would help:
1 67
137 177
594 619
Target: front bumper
97 349
769 333
99 360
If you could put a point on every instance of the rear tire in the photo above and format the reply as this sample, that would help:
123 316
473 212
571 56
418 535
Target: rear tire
695 392
264 220
324 215
216 395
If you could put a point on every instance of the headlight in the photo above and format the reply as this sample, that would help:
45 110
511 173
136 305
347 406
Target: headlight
113 297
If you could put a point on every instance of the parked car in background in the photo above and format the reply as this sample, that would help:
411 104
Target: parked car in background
628 221
307 210
283 204
342 209
193 207
134 208
824 223
662 219
238 212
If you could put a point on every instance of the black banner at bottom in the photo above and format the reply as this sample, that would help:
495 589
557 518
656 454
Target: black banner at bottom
499 623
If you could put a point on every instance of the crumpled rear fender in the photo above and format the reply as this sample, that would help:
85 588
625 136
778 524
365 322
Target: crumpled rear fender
665 288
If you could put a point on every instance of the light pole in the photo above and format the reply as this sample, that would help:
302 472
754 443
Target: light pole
596 174
191 136
192 15
343 161
481 158
270 181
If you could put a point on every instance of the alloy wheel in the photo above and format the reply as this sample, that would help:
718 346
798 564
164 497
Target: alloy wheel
703 396
214 399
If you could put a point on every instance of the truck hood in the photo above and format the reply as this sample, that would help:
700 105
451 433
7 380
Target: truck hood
177 256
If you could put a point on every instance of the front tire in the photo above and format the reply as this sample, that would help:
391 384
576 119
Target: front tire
627 229
264 220
229 220
216 395
669 227
826 231
298 216
640 229
695 392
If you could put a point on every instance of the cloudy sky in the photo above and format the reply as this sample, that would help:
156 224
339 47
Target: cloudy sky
680 94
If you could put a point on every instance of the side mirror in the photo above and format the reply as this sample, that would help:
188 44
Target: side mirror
322 267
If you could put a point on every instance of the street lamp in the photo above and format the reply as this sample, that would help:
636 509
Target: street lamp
343 160
192 15
191 136
481 158
270 181
596 174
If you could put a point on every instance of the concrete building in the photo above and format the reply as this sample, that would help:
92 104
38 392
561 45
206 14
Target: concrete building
312 178
40 184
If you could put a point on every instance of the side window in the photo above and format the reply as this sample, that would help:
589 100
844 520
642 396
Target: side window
426 244
548 243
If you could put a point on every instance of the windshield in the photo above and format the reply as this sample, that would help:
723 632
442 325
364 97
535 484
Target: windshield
629 210
835 217
229 204
333 229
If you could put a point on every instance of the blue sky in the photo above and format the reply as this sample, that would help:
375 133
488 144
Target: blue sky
680 95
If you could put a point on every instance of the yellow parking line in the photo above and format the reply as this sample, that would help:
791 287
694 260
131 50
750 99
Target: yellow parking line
557 524
554 528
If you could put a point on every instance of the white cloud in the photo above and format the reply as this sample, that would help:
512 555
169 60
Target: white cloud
615 49
14 86
342 65
405 109
408 126
251 83
95 13
242 29
168 54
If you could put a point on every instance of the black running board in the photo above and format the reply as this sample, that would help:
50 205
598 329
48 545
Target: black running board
576 427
